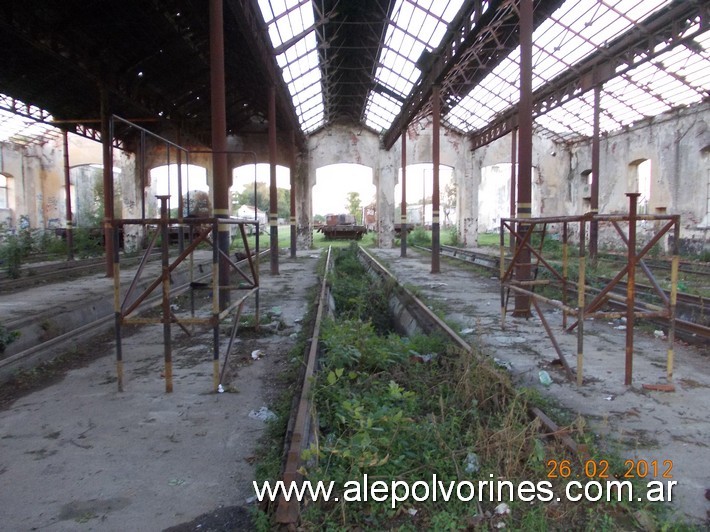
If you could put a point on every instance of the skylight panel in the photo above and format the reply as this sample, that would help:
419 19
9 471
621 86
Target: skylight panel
285 20
22 129
570 35
413 28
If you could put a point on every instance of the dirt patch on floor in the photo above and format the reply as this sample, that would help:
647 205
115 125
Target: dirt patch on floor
82 456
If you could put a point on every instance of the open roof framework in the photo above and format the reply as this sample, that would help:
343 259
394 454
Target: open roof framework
480 83
368 63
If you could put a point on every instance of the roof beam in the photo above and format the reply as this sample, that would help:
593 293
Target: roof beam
669 25
465 31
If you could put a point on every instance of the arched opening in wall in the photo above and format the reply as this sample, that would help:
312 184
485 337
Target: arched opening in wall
420 187
5 195
345 189
87 195
251 187
494 196
705 157
195 191
586 189
641 183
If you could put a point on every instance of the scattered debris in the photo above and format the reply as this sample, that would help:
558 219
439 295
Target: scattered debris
417 357
502 363
659 387
472 464
545 378
502 509
659 334
220 389
263 414
257 354
467 331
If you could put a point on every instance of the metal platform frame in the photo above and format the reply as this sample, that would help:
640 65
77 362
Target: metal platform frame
589 300
201 230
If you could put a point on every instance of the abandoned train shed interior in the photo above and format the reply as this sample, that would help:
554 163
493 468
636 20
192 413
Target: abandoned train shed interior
537 171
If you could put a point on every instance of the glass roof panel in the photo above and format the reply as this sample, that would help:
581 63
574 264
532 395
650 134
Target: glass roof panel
680 76
415 26
577 29
24 130
286 19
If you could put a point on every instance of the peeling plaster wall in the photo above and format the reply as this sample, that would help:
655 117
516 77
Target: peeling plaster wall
551 169
677 144
453 152
11 165
38 182
342 144
350 145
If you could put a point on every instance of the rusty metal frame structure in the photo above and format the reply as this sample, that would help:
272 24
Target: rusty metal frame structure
201 230
589 301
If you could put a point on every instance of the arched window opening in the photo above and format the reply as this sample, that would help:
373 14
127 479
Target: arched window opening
192 181
87 194
4 192
494 196
345 189
420 186
250 192
642 183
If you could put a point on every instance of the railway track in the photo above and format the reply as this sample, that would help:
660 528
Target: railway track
36 274
43 351
302 428
692 311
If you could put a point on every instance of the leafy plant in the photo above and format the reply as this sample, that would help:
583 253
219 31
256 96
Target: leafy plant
7 337
419 237
12 254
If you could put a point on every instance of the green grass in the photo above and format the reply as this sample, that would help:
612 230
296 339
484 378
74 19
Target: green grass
384 412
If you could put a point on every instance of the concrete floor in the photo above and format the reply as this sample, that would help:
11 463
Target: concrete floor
78 455
634 422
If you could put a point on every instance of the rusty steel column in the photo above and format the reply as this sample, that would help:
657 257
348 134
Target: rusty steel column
594 192
630 287
292 194
167 317
513 169
435 236
220 181
181 206
524 210
403 208
107 156
513 177
672 304
273 202
67 200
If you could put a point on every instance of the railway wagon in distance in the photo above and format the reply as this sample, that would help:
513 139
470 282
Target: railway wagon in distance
341 227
